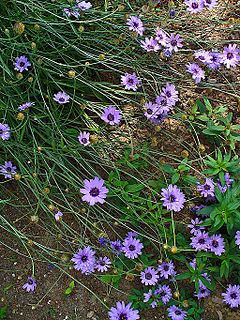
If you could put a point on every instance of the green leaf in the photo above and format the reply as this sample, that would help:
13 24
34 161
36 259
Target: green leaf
68 291
134 187
183 276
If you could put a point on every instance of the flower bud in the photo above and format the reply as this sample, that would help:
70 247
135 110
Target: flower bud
19 28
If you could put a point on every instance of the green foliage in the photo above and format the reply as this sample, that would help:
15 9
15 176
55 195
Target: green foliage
70 288
3 313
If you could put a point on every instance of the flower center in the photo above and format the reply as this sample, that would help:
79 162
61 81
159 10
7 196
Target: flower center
149 111
229 55
123 316
148 276
174 43
8 169
207 187
110 117
132 247
168 94
61 99
22 64
30 282
201 241
195 5
94 192
172 198
166 268
84 140
215 243
178 312
233 295
84 258
130 81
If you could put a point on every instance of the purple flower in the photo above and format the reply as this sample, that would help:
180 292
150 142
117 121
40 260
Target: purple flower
131 234
166 269
232 296
194 6
130 81
162 102
123 312
161 36
135 24
152 110
176 313
172 13
83 138
197 73
171 94
231 56
4 131
25 106
22 63
174 42
147 295
215 60
61 97
195 226
203 292
83 5
150 44
216 244
154 304
149 276
132 248
94 191
237 238
197 208
173 198
30 285
57 215
206 189
103 264
203 56
164 292
8 170
228 183
200 241
72 12
103 241
84 260
116 246
167 53
111 115
210 3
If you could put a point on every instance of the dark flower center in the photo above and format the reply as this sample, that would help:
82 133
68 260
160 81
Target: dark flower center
207 187
22 64
94 192
110 117
123 316
8 169
84 140
215 243
61 99
202 290
209 1
1 131
148 276
132 247
163 293
195 5
178 312
168 94
233 295
172 198
149 111
201 57
130 80
135 24
174 43
30 282
201 241
229 55
214 58
166 268
102 263
84 258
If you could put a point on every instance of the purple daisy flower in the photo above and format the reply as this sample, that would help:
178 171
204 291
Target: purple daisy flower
8 170
197 72
203 292
131 234
132 248
171 94
116 246
164 292
167 269
210 4
174 42
232 296
216 244
130 81
61 97
135 24
123 312
147 295
195 226
176 313
103 241
30 285
103 264
154 304
215 60
200 241
84 260
4 131
162 102
228 183
83 138
149 276
83 5
203 56
194 6
161 36
22 63
231 56
94 191
152 110
167 53
237 238
57 214
173 198
207 188
150 44
25 106
72 12
111 115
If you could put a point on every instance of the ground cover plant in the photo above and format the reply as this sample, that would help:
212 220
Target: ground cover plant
119 137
